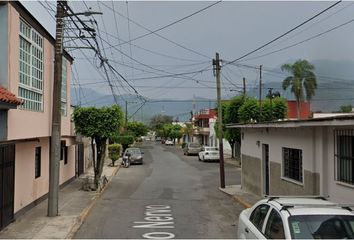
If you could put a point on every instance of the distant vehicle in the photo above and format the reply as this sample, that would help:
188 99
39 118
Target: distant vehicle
192 148
209 154
296 218
136 155
169 142
158 139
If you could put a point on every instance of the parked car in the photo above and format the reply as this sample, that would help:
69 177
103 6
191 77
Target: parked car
192 148
209 154
136 155
169 142
296 218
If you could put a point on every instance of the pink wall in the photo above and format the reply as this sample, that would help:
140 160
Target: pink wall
27 187
22 123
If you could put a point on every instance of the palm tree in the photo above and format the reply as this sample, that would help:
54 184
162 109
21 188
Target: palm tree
302 79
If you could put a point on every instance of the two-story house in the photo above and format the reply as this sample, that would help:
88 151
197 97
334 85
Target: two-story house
26 70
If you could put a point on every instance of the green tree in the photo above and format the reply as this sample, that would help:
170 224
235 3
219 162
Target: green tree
159 120
137 129
114 152
249 111
124 140
172 131
187 130
233 135
346 108
302 79
99 124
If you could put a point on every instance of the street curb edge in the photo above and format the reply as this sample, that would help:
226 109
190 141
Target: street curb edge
83 215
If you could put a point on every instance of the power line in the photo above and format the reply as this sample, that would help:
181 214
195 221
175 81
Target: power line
286 33
173 42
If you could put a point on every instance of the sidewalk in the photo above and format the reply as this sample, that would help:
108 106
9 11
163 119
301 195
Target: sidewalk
233 161
74 205
241 196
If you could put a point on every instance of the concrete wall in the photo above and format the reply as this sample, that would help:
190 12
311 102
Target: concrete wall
27 187
337 191
299 138
251 179
279 186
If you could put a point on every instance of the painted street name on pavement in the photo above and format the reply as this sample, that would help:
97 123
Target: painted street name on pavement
157 216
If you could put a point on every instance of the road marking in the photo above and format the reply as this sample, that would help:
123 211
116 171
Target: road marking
157 216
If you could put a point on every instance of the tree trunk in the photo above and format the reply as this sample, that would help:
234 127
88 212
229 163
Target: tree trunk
101 150
298 108
93 154
232 145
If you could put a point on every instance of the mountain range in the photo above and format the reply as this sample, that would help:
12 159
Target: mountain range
335 87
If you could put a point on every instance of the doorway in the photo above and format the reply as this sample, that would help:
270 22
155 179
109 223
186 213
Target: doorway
265 150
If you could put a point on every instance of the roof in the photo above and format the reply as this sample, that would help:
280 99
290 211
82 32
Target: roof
8 97
343 120
205 114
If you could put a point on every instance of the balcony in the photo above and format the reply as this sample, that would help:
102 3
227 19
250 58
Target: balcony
201 131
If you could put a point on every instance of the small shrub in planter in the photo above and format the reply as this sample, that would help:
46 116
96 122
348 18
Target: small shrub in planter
114 152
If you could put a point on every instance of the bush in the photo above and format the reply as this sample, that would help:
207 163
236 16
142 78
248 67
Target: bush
124 140
249 111
184 144
114 152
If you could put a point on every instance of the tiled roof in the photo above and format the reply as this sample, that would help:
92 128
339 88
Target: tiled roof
8 97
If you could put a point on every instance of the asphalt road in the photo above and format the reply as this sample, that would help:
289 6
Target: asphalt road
169 196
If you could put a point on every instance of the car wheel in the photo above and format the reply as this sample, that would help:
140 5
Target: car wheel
199 158
203 159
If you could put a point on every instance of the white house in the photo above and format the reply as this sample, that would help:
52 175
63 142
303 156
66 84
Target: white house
299 157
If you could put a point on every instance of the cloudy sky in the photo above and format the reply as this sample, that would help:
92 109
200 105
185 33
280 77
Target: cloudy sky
232 28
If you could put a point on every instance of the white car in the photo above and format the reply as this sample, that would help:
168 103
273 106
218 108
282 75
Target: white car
209 154
169 142
296 218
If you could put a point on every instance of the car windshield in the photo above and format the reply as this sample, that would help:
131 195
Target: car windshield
194 145
211 149
322 226
133 151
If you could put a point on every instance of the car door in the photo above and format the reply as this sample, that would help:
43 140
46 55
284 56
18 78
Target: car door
274 228
253 228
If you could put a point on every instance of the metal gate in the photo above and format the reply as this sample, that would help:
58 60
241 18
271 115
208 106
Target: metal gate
7 179
80 159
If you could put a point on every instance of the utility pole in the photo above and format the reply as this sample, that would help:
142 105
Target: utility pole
244 86
217 68
260 93
270 93
54 166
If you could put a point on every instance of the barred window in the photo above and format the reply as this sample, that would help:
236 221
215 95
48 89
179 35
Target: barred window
344 155
63 89
292 164
31 67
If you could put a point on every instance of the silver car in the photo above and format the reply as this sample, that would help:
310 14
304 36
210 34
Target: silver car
192 149
136 155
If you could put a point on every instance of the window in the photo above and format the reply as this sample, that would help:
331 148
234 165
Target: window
31 68
258 215
274 228
292 164
64 152
37 162
63 88
344 156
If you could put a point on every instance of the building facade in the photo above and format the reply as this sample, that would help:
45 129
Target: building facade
303 157
27 70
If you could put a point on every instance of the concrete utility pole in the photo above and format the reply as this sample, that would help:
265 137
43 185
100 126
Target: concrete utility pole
54 166
260 92
244 86
217 68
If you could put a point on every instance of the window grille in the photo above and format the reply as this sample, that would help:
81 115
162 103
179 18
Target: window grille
292 164
344 155
30 67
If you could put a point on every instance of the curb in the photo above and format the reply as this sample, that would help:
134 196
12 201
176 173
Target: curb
241 201
83 215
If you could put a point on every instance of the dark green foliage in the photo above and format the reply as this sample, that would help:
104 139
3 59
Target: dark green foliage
114 151
158 121
124 140
346 108
249 111
172 131
99 124
137 129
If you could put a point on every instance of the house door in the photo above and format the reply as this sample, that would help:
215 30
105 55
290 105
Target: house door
7 186
80 159
265 150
